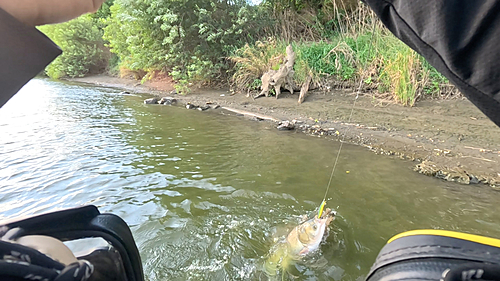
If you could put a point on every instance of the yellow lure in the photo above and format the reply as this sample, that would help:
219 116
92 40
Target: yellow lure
321 208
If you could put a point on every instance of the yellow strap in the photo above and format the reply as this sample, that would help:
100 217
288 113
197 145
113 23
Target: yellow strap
464 236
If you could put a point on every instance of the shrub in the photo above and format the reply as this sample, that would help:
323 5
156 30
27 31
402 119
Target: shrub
188 38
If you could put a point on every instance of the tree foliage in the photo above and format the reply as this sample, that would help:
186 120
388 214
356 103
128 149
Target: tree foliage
82 45
188 38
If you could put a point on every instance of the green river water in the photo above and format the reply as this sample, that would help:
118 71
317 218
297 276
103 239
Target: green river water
207 194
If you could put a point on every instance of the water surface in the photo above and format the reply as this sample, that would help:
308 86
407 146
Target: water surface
206 194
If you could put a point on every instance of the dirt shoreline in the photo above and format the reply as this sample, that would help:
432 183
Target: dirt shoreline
448 139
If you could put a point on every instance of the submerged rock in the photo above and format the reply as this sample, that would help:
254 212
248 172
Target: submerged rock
151 101
167 101
286 125
457 176
427 168
203 108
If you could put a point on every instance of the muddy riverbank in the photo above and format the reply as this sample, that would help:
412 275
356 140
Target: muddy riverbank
448 139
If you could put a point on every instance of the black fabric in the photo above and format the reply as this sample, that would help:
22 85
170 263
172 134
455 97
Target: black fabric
16 252
434 246
460 38
19 262
430 269
81 270
437 269
24 52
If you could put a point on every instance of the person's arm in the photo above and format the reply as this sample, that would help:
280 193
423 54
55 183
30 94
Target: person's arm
460 38
40 12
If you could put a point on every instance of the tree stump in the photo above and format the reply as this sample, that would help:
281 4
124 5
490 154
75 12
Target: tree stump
266 82
283 78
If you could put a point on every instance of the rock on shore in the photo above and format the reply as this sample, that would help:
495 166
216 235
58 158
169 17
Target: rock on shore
151 101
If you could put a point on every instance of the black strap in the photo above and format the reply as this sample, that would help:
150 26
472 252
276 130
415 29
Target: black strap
472 271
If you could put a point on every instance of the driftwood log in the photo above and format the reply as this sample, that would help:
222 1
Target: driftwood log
283 78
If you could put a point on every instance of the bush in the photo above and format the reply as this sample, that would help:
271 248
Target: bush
82 45
188 38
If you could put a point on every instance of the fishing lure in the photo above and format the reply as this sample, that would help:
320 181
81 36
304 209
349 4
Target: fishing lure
321 208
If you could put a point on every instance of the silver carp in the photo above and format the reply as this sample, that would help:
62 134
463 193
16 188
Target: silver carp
302 240
307 236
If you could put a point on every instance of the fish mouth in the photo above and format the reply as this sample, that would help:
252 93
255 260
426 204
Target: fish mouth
328 213
328 216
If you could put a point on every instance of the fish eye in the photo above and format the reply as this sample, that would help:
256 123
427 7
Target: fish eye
315 227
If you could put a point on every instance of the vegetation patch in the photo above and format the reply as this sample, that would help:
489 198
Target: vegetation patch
361 54
208 41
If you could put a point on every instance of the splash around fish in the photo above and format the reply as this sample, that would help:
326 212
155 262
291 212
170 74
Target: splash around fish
301 241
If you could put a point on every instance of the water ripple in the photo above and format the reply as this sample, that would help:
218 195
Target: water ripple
208 196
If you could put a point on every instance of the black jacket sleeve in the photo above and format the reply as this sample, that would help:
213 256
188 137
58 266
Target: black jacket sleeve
460 38
24 52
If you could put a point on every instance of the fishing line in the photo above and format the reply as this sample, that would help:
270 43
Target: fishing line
340 148
322 205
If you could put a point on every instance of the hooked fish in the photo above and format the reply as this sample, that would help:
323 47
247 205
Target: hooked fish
307 236
302 240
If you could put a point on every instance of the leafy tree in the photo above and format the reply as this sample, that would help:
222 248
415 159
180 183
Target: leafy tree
82 45
188 38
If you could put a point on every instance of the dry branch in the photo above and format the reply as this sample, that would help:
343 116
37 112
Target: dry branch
305 88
